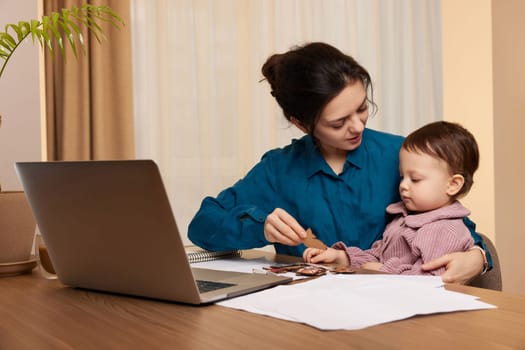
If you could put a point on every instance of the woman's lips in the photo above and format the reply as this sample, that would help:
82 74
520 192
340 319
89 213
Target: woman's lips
355 139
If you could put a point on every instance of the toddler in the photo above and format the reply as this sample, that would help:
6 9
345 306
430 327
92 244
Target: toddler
437 163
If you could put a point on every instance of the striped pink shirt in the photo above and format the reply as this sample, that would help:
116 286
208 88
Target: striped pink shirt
411 240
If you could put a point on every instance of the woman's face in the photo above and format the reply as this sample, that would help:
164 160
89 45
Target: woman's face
341 124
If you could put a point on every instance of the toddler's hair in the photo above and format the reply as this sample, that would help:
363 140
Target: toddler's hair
451 143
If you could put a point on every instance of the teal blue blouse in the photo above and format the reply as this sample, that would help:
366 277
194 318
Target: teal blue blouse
347 207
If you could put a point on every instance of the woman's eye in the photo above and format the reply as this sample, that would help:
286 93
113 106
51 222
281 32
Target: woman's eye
363 108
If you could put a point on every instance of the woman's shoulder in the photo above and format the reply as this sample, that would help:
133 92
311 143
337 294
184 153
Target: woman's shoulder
383 143
296 157
295 147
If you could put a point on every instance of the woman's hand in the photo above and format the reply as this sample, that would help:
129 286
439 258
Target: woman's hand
281 227
329 255
461 267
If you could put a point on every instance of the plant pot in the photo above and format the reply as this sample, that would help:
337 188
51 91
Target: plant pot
17 232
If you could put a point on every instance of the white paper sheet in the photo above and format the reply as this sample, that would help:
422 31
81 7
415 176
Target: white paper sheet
356 301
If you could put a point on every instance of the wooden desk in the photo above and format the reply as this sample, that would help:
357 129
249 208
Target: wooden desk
36 313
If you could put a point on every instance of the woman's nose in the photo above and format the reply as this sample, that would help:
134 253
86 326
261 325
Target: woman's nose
355 124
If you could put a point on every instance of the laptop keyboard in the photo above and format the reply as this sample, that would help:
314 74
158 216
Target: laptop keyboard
208 286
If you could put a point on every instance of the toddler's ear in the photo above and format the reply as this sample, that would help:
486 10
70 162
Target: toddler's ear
455 183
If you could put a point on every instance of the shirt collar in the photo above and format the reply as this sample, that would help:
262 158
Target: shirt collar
315 162
357 157
417 220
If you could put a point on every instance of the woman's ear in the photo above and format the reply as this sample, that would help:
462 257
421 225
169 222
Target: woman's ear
455 183
299 125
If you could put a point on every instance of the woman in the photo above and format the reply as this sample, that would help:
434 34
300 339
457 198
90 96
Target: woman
337 179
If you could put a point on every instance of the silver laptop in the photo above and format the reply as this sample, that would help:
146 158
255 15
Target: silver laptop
108 226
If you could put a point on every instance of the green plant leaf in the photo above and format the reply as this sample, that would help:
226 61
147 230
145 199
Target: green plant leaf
57 29
9 41
45 35
25 27
36 32
53 28
69 36
72 31
16 29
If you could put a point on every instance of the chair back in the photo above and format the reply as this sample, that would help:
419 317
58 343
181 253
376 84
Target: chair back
491 279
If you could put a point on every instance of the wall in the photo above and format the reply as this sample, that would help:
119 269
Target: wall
509 113
483 83
19 98
467 94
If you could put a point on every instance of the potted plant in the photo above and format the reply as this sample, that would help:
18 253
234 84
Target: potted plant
54 33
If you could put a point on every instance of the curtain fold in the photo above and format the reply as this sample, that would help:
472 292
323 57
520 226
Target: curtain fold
201 111
89 106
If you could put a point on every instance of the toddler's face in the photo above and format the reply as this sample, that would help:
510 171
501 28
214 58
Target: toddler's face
425 181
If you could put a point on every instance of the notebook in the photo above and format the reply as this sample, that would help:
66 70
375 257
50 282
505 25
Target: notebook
196 254
108 226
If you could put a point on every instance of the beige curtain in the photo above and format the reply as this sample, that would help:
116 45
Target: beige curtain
89 107
200 110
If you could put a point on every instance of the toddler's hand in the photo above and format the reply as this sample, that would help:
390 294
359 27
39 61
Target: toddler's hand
329 255
309 253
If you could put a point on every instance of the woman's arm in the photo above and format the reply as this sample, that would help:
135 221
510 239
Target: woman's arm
235 218
221 226
429 242
478 241
460 267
